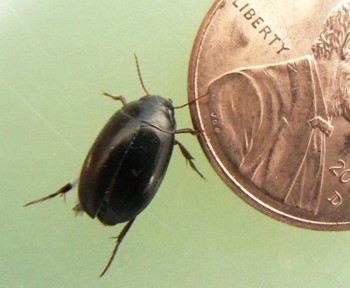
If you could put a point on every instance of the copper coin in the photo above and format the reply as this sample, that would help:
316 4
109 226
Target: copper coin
277 111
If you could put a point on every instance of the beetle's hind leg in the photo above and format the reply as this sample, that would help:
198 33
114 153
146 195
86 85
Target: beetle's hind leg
116 97
119 240
78 209
189 157
62 191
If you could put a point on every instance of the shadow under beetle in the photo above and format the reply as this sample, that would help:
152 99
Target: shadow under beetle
127 162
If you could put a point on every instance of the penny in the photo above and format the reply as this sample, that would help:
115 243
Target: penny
277 111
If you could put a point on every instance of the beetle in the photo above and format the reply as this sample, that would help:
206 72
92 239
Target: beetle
127 162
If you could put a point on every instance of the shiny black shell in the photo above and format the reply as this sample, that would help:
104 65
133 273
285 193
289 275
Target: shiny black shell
127 162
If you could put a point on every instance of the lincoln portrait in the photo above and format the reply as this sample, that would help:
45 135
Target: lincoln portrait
279 116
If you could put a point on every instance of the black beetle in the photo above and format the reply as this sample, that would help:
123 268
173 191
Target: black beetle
127 162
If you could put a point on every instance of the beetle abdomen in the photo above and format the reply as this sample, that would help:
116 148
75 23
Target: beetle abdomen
125 177
137 178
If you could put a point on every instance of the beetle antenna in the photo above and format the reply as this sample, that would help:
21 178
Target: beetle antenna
139 73
191 102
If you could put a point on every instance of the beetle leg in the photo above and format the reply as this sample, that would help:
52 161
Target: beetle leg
188 157
188 131
62 191
116 97
78 209
119 240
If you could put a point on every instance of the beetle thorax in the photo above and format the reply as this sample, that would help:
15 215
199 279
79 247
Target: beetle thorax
153 110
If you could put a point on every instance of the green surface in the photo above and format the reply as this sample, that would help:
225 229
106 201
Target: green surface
55 59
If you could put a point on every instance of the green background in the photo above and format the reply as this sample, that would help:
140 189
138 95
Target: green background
55 59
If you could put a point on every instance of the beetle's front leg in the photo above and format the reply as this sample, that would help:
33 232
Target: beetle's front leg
188 131
116 97
188 157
